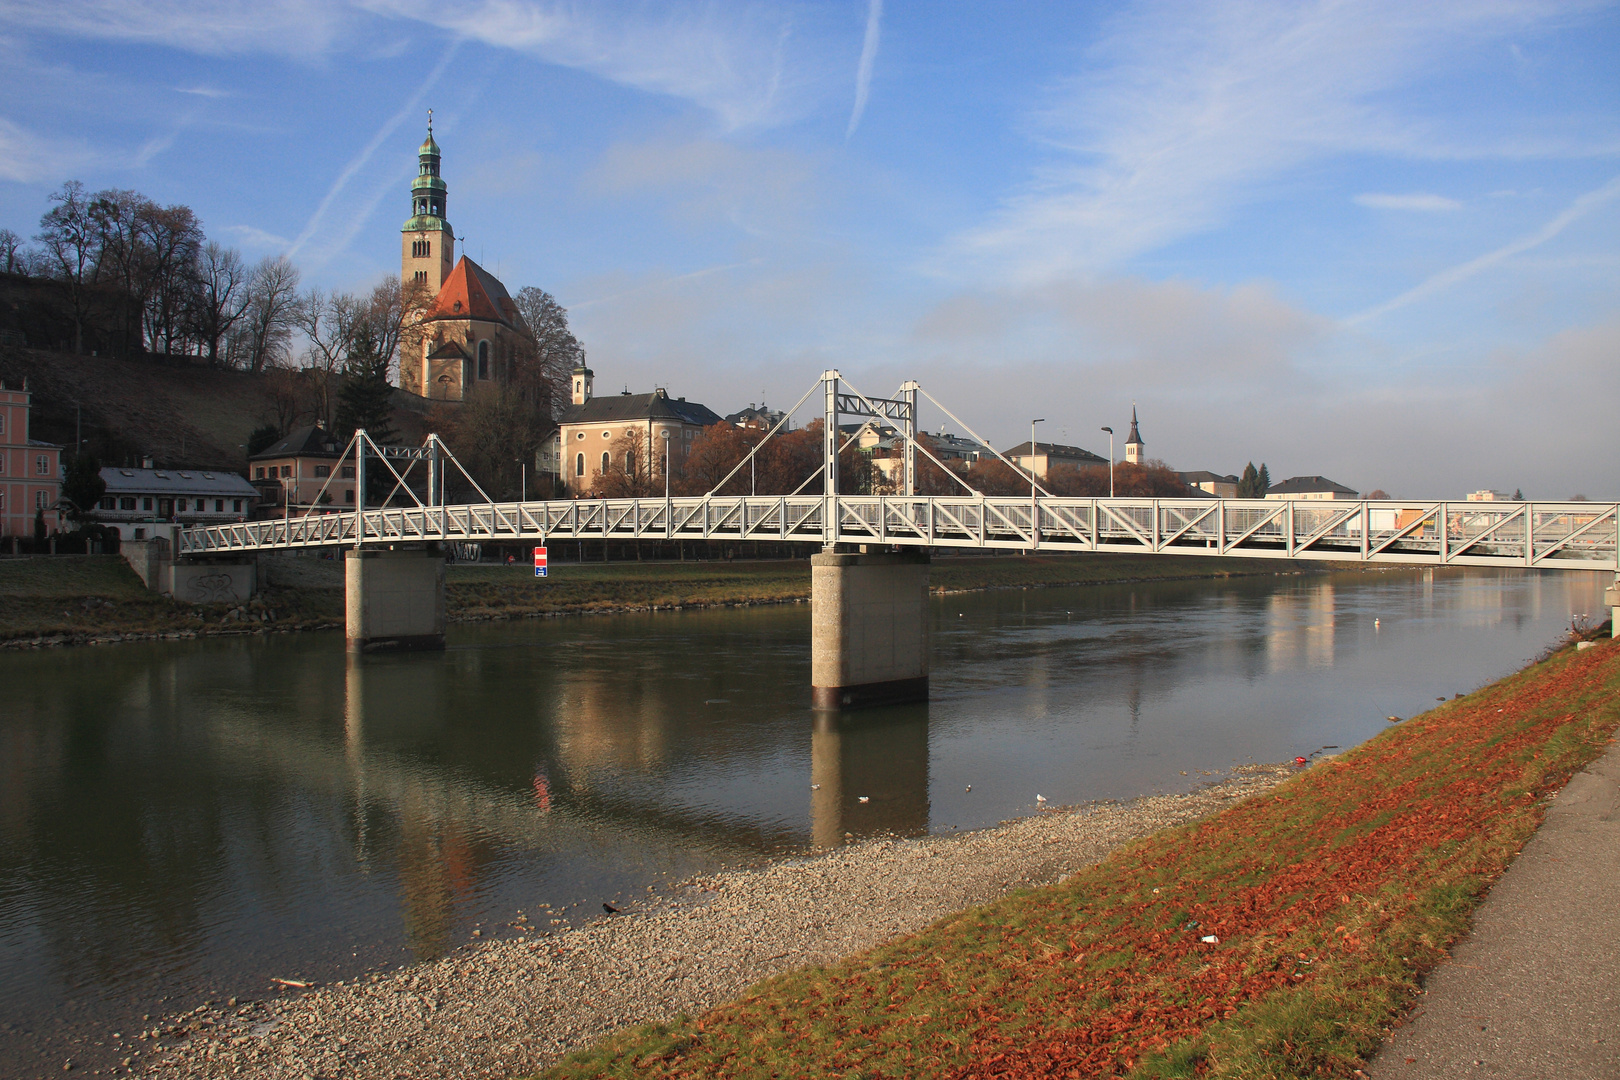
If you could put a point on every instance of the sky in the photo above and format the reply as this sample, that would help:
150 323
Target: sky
1374 241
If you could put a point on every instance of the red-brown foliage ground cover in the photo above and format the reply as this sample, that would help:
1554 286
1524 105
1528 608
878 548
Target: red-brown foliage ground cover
1329 897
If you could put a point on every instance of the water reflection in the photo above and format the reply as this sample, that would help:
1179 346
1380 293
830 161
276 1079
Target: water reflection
869 775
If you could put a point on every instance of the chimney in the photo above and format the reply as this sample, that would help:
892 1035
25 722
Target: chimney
146 462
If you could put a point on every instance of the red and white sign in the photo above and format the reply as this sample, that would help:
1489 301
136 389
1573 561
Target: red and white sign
539 562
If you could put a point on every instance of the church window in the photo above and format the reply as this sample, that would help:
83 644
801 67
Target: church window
629 463
579 465
483 359
606 465
421 276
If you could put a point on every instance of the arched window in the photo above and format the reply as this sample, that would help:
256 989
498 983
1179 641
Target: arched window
579 465
605 463
483 359
629 463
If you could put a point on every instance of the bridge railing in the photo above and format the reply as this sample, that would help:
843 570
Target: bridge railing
1576 535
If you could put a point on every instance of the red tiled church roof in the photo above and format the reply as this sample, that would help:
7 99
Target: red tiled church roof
471 292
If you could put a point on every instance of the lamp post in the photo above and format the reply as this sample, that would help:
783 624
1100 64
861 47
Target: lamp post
1110 461
665 434
1034 509
523 472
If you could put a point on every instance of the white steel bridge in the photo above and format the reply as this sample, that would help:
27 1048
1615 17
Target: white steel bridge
1552 535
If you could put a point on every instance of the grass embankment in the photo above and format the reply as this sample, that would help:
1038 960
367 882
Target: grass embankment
1328 898
81 598
98 597
495 592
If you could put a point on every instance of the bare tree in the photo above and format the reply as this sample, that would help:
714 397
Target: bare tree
557 350
173 238
70 240
221 297
328 322
261 337
12 258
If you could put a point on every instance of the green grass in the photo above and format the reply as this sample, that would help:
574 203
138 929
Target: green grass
1330 896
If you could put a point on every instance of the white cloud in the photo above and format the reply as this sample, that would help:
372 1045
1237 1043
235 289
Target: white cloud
1416 201
285 27
1578 209
203 91
1184 113
29 157
863 73
760 191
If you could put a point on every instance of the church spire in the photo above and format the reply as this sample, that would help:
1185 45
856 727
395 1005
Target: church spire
428 191
1133 443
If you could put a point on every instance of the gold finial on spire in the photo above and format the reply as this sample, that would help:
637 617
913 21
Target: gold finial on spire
430 121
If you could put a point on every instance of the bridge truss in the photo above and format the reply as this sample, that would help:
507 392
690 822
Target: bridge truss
1563 535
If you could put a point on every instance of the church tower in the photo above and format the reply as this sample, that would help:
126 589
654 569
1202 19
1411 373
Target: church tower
1134 444
427 247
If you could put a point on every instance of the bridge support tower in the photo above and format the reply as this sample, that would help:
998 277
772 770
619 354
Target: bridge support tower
394 600
868 629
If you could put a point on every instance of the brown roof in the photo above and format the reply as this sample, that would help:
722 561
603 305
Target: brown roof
471 292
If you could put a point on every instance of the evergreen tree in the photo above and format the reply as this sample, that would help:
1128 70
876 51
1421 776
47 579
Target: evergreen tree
39 531
82 485
366 400
261 437
1263 484
1518 496
1249 483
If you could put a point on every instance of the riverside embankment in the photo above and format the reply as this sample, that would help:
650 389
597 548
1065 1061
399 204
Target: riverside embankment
97 599
1275 924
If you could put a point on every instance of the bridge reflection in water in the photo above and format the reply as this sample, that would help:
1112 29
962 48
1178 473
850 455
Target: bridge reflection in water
882 759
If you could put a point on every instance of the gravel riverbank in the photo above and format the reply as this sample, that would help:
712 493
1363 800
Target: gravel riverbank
499 1008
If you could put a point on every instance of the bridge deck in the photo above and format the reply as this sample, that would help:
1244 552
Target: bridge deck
1568 535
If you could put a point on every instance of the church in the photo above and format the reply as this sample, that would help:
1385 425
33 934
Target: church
463 329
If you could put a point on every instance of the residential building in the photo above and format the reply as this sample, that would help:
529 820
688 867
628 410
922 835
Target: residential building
596 435
296 474
1309 487
30 470
470 332
761 417
1046 455
147 503
1135 448
1488 495
1222 487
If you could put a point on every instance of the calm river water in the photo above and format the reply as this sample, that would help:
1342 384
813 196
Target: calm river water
184 821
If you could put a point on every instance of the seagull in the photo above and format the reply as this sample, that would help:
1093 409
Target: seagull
970 787
865 798
815 787
1040 798
1377 623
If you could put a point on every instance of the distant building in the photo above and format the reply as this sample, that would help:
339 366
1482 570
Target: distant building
760 417
1222 487
588 429
1046 455
30 470
1309 487
147 503
1488 495
1135 448
290 474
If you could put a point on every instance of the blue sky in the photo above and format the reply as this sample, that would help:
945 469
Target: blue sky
1376 241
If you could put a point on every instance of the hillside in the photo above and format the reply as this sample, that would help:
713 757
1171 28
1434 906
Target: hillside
183 414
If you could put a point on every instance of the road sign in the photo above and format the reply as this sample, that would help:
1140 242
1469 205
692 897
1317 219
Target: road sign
539 562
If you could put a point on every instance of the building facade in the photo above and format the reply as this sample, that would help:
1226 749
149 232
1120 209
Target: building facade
1040 457
1222 487
600 435
1309 487
301 473
147 503
30 470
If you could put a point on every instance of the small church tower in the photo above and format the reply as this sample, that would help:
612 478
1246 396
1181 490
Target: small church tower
1134 444
427 247
584 378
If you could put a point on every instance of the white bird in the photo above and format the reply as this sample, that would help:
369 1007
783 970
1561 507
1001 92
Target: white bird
815 787
970 787
865 798
1040 798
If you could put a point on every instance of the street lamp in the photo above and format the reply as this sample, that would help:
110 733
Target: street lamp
1110 461
665 434
523 472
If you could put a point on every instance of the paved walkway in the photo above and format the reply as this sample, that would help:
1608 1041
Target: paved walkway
1534 991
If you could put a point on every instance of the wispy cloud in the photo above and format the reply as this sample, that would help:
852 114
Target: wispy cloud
1183 114
257 239
28 157
863 74
1415 201
284 27
412 107
1576 210
203 91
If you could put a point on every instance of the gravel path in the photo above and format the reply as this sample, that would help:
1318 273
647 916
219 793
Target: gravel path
498 1008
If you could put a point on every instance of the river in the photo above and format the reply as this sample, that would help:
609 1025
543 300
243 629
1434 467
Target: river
186 821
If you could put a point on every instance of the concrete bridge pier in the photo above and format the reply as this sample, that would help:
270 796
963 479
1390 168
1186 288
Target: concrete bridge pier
868 629
394 600
1611 600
